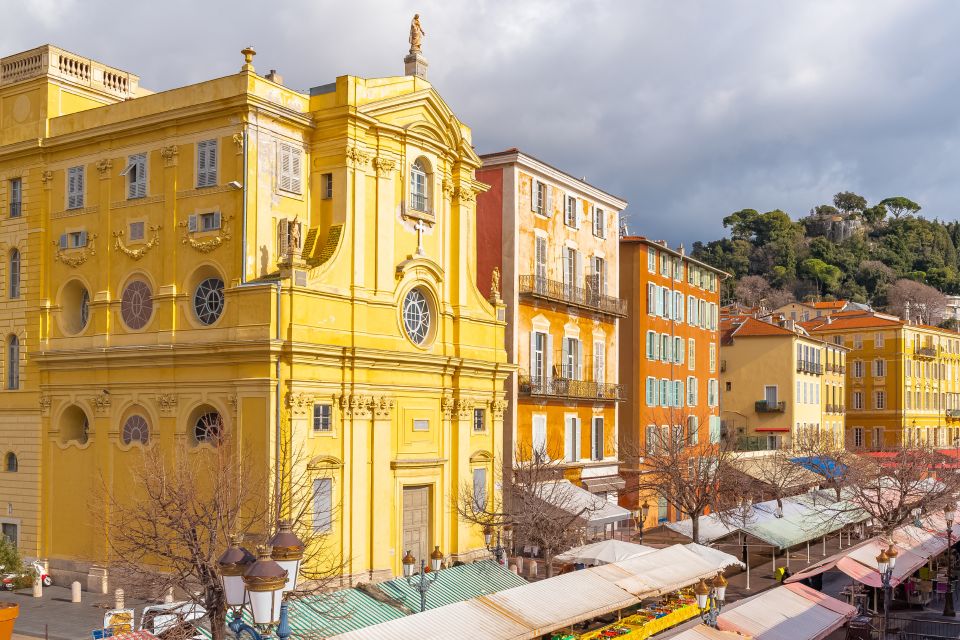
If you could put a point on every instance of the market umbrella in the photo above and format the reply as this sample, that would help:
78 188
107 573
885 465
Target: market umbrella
604 552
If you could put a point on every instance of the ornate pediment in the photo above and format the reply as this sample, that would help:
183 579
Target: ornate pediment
420 266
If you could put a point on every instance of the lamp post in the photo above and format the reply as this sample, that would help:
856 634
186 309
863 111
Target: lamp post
640 515
259 586
424 581
949 514
886 562
710 599
498 551
743 507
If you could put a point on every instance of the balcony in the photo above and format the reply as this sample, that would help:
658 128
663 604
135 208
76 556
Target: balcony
762 406
761 443
836 368
809 366
926 352
565 293
953 414
568 388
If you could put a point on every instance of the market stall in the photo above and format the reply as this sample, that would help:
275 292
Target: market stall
792 611
645 620
604 552
703 632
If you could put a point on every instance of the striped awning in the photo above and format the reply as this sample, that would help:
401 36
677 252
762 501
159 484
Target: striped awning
455 584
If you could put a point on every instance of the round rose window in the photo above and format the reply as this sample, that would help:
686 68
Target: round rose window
208 300
416 316
136 304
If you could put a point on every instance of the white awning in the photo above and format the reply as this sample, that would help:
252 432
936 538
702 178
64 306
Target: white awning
703 632
596 510
791 612
671 568
604 552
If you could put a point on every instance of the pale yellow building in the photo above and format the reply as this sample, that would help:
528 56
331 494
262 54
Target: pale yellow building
903 379
237 256
779 385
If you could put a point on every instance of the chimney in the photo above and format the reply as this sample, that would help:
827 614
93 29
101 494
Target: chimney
273 76
906 311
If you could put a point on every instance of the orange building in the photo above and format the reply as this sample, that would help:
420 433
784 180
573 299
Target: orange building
554 240
668 354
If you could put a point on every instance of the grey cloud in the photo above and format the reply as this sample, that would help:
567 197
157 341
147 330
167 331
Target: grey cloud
688 109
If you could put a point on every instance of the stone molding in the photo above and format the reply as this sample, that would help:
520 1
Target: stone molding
167 403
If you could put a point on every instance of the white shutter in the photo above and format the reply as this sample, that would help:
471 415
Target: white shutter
540 435
83 239
593 439
533 355
216 219
603 277
322 504
578 273
579 346
533 194
206 163
63 241
192 223
568 441
283 167
599 362
296 169
565 359
141 176
549 210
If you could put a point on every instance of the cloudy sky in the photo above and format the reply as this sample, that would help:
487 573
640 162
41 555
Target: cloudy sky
689 109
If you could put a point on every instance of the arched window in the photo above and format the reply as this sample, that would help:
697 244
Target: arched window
208 428
10 463
136 429
418 186
13 362
15 273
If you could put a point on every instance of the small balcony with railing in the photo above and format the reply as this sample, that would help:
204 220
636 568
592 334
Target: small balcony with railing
762 443
566 387
809 366
926 352
770 406
589 297
835 368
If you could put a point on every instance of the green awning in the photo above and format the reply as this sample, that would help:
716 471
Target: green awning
455 584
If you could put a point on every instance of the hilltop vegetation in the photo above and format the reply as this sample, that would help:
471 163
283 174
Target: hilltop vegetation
848 249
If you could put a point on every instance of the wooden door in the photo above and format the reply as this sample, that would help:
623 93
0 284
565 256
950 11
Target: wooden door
416 523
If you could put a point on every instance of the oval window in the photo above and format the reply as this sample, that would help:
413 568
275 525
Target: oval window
208 300
416 316
136 304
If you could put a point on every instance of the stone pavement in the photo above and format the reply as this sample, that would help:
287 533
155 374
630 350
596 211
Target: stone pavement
53 616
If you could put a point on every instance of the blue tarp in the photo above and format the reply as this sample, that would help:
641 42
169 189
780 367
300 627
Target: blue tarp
827 467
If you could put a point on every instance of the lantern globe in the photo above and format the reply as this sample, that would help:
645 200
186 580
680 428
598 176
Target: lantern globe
702 591
409 563
720 587
264 581
487 535
883 561
233 563
436 558
287 552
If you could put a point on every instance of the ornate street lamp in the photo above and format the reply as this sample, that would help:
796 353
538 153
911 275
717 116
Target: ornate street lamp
710 599
498 551
886 562
949 513
426 577
233 564
640 515
263 583
287 552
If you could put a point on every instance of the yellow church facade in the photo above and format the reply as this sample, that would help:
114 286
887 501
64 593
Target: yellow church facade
295 269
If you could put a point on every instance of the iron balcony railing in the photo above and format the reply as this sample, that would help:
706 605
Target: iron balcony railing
836 368
953 413
559 387
762 406
927 352
588 297
761 443
809 366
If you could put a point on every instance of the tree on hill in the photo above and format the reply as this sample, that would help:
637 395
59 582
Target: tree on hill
898 205
826 275
849 202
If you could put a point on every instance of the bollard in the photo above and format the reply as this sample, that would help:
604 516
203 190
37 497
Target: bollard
168 596
37 587
75 592
118 599
532 569
519 561
514 569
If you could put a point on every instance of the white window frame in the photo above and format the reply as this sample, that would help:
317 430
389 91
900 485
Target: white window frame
570 217
599 223
322 417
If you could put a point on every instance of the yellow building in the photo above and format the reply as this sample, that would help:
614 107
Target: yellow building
903 380
236 256
555 240
779 385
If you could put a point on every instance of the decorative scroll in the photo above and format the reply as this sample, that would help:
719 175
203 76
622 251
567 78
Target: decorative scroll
212 244
76 257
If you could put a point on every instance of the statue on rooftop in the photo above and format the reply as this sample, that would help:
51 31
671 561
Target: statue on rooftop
416 34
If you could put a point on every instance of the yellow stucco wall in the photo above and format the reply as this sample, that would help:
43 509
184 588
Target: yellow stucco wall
319 327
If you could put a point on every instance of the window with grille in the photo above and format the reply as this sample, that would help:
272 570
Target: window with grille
136 429
418 186
207 163
13 363
136 304
326 186
322 417
136 174
479 420
16 197
208 428
75 180
289 169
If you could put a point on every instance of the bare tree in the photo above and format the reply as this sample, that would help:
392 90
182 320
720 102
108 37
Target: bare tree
682 466
536 505
916 301
170 521
755 291
894 488
829 458
770 476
